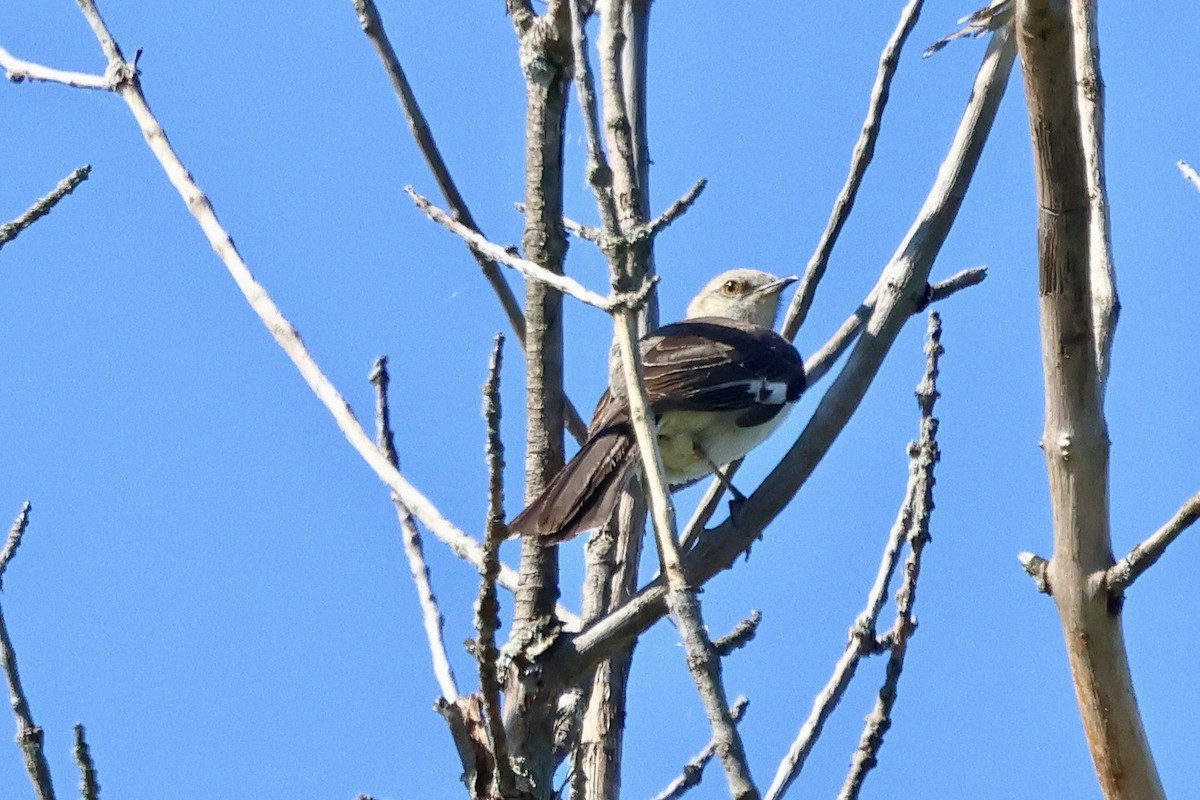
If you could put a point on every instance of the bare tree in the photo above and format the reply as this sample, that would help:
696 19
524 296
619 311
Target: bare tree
555 693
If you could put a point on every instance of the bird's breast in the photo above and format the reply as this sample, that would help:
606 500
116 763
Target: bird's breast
686 437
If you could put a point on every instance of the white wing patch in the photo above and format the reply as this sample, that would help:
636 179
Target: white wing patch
771 393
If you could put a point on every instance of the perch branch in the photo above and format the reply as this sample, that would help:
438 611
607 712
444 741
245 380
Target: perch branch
818 366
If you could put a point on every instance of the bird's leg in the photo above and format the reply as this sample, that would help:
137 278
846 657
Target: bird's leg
728 484
735 503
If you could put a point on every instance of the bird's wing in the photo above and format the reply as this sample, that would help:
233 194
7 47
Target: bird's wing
710 364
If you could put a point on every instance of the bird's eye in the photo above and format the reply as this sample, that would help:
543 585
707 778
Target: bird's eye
731 287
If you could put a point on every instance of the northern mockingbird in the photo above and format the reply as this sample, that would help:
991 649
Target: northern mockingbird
718 383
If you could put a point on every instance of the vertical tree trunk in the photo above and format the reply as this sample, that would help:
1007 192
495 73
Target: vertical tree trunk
1075 440
545 59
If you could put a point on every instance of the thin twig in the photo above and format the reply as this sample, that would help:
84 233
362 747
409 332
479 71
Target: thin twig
672 213
976 24
29 735
1038 570
864 151
528 268
1121 575
414 550
1189 174
18 70
9 230
13 541
924 454
693 770
599 173
487 608
89 785
740 636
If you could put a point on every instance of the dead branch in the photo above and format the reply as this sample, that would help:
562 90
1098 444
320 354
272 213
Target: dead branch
1188 173
529 268
911 525
29 735
693 770
924 456
487 609
18 70
89 784
9 230
414 550
1120 576
741 635
1089 92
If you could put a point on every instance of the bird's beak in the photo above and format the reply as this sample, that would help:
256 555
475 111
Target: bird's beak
777 286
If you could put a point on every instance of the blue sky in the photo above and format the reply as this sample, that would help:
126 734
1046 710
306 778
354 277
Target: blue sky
212 580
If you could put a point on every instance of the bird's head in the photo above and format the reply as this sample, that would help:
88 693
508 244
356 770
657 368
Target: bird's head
746 295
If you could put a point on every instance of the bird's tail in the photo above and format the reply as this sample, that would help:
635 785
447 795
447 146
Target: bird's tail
584 493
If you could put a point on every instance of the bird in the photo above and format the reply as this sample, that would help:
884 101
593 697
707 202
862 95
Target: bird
719 382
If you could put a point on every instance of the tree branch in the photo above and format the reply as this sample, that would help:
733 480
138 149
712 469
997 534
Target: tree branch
9 230
693 770
817 367
1120 576
487 608
414 550
18 71
1188 173
912 525
860 159
1089 92
29 735
89 785
924 455
529 268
